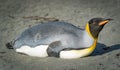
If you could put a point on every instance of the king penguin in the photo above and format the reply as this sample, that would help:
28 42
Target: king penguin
59 39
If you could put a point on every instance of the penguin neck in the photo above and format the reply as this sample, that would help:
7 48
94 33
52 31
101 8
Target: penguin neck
89 32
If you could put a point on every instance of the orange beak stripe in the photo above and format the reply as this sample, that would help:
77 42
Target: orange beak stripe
104 22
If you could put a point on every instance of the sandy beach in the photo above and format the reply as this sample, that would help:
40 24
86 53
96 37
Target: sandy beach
12 22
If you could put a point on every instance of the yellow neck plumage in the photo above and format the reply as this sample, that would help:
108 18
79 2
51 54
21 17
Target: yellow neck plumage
88 31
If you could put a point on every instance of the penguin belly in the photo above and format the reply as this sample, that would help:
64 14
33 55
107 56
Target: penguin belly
38 51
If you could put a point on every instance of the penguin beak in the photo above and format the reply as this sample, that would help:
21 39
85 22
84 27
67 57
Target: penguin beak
105 21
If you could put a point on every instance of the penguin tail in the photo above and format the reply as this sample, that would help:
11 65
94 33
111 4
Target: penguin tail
9 45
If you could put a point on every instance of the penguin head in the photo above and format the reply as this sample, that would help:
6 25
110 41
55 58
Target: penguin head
96 25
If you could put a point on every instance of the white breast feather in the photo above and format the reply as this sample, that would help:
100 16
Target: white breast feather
38 51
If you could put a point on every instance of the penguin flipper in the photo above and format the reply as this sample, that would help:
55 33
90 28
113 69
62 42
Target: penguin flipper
54 49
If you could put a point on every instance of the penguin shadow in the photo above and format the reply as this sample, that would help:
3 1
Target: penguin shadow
102 49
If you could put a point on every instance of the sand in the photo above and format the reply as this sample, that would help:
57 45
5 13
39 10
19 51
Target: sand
78 12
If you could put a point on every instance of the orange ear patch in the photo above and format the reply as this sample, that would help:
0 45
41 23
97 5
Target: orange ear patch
104 22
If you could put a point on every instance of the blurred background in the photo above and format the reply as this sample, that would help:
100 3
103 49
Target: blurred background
77 12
